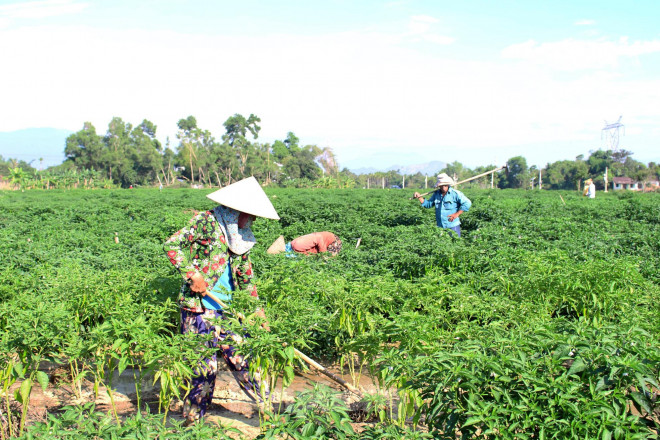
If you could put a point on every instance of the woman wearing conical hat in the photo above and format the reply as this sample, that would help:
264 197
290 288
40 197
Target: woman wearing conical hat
212 253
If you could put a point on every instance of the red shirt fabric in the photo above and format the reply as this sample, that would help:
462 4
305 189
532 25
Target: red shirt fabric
313 243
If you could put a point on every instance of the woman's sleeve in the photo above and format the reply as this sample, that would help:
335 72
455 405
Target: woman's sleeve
243 276
182 246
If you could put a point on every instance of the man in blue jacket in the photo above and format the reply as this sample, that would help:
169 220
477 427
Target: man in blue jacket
449 203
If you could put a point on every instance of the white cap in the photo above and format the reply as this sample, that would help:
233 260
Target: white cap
246 196
444 179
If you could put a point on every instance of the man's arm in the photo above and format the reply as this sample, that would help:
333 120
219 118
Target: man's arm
454 216
463 204
425 203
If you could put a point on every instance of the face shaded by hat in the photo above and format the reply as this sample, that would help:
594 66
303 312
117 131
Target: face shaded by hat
239 203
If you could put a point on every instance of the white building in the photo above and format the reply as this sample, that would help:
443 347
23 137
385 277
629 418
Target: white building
626 183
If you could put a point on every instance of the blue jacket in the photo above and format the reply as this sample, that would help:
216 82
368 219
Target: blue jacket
446 205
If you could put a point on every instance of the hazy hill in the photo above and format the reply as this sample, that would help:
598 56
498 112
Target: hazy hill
31 144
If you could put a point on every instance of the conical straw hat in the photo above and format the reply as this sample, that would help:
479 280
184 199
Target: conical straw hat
277 246
246 196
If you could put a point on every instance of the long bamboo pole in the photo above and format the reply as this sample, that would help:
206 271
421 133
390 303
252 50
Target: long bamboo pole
466 180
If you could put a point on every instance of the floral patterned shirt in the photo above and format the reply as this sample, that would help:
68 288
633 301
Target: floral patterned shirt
201 247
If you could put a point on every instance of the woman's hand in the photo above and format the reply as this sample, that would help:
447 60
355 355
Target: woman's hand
197 283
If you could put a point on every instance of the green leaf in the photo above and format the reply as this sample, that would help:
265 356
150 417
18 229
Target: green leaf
642 401
122 365
336 417
289 352
578 366
607 435
42 378
288 375
23 393
308 429
471 421
19 371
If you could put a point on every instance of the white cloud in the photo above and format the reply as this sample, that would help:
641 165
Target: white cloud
420 24
424 19
585 22
419 29
41 9
355 92
574 55
439 39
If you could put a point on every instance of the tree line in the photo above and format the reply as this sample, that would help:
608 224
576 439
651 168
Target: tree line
131 155
563 174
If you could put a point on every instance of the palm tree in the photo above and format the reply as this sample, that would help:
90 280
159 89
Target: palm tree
17 176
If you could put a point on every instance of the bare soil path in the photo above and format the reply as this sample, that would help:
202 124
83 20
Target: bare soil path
231 407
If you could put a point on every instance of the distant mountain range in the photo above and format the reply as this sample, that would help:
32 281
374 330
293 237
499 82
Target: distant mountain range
32 144
427 169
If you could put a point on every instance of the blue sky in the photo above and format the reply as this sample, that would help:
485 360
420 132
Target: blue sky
380 82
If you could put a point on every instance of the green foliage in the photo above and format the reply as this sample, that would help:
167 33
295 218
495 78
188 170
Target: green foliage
565 174
127 155
83 422
316 413
545 311
558 380
518 173
130 155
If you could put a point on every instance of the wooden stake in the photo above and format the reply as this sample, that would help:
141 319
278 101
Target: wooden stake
562 199
358 242
332 376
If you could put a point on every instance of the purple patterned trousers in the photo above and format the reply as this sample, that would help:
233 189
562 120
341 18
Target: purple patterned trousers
203 385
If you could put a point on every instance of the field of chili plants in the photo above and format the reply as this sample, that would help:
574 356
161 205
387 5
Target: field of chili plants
542 321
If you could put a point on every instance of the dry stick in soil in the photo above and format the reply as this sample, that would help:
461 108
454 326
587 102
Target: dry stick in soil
302 356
